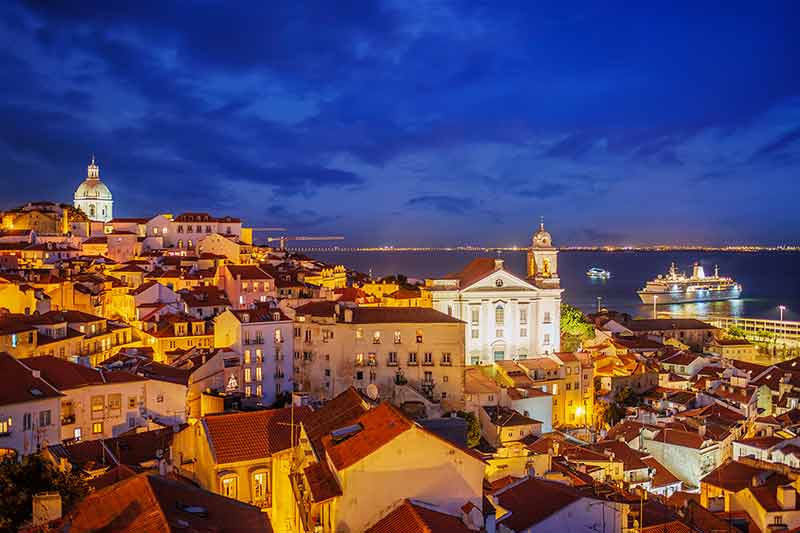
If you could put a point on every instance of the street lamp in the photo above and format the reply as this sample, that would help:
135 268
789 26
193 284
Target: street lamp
598 304
655 302
782 308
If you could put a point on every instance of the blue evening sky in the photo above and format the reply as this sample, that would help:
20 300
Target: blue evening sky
408 122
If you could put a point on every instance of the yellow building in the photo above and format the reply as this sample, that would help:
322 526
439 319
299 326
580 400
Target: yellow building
402 297
175 332
244 456
331 278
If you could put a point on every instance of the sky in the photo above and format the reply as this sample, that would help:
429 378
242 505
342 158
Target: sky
415 123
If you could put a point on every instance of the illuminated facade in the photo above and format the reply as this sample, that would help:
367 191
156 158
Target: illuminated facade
507 315
93 197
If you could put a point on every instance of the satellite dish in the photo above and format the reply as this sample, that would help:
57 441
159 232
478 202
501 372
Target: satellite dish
372 391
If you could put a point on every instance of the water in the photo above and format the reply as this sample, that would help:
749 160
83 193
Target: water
769 279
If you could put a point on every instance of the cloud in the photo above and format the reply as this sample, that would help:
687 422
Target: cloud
450 205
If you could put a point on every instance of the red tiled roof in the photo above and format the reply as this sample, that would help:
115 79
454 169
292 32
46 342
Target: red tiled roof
247 272
662 476
475 270
335 413
149 503
19 384
550 497
383 315
322 482
413 517
64 375
762 443
734 476
680 438
379 426
255 435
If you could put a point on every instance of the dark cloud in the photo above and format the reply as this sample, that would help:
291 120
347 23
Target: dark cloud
450 205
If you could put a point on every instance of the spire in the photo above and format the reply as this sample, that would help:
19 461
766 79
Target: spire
93 170
541 223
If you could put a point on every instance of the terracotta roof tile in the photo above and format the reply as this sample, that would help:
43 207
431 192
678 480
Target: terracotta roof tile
64 375
378 427
550 497
19 383
255 435
416 517
149 503
322 482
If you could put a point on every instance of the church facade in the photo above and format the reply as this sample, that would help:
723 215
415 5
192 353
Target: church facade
93 196
507 315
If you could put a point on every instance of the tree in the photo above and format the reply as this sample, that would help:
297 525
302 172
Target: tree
735 331
473 428
575 328
21 480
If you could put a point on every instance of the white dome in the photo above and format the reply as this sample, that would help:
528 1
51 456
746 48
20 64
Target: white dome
92 189
542 239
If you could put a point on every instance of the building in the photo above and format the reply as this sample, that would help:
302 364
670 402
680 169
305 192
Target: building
93 196
409 353
263 337
171 333
29 409
148 502
733 348
244 456
245 285
358 464
507 316
501 426
688 455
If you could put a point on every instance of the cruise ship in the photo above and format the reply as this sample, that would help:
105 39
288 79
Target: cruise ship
676 287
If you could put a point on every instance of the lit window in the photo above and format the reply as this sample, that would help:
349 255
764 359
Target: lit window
97 428
397 337
230 487
260 486
5 426
247 375
376 337
359 333
258 373
247 355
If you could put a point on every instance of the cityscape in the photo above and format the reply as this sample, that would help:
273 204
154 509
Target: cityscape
227 301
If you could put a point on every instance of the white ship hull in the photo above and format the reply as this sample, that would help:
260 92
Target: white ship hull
682 297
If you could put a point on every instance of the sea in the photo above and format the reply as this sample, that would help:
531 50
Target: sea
769 279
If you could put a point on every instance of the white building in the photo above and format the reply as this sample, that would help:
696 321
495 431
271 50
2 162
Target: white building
507 315
29 409
263 337
93 197
408 353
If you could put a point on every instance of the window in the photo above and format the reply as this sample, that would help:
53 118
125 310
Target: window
523 332
115 402
397 337
445 379
499 314
568 386
248 375
131 421
5 426
248 391
475 315
259 390
259 356
180 229
247 353
449 310
278 336
476 333
97 428
446 358
27 422
76 434
359 359
259 486
372 360
98 407
308 335
546 339
412 358
230 487
359 333
393 358
523 316
428 358
360 375
376 337
419 335
258 373
44 418
547 319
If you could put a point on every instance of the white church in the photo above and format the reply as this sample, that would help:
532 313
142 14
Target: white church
507 315
93 197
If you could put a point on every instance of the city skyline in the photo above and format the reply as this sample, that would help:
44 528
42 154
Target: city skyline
410 126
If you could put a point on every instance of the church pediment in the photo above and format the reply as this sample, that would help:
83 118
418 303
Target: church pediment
499 280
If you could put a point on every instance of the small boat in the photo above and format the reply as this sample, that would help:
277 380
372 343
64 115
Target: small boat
598 273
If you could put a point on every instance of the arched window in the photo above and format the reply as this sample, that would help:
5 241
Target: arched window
499 315
91 210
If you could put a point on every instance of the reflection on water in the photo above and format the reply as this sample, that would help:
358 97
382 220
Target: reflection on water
697 309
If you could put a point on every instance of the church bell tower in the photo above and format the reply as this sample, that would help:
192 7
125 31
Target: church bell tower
543 260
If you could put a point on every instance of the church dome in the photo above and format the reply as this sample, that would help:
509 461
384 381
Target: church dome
92 188
542 239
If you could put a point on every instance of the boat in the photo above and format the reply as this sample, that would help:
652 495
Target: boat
676 287
598 273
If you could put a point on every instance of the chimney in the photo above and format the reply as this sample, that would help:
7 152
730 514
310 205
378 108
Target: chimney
787 497
46 508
